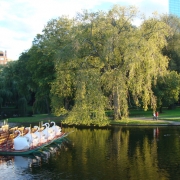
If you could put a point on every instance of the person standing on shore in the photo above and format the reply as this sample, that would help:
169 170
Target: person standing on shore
157 114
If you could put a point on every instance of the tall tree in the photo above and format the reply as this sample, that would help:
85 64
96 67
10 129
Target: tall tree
77 63
107 49
136 57
41 68
78 77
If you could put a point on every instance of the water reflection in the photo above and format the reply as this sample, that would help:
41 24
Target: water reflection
22 167
132 153
121 152
156 132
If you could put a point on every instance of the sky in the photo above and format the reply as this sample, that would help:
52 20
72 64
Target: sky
22 20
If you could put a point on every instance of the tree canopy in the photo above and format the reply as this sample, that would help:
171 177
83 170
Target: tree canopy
99 61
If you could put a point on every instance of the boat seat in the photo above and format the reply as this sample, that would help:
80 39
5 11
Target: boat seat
12 136
3 140
13 129
5 127
4 135
21 129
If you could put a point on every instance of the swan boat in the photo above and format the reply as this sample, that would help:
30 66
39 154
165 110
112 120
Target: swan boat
17 143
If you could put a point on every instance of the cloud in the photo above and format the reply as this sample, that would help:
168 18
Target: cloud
21 20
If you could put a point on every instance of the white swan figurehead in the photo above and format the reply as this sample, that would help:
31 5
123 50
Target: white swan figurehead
40 135
31 137
48 132
56 128
20 142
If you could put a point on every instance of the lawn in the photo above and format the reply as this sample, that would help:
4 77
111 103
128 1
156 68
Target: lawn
138 122
169 115
136 117
35 119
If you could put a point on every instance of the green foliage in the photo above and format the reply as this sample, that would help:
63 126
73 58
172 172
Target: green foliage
89 100
82 66
172 50
22 76
124 60
41 67
167 89
1 101
8 85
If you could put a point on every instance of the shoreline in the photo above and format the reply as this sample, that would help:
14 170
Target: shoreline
133 121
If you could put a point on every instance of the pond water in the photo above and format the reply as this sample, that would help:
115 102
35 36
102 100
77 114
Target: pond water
127 153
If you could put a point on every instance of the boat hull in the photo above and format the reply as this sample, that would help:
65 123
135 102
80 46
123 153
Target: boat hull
32 149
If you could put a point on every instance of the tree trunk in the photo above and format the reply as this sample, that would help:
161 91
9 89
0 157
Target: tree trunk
47 106
66 103
117 113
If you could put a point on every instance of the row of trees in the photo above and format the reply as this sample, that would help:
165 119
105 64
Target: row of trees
99 61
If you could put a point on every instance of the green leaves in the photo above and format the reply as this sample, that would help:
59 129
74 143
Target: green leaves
167 89
97 61
110 54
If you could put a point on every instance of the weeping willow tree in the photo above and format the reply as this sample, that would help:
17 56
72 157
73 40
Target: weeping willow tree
89 99
104 54
132 58
83 84
78 73
148 62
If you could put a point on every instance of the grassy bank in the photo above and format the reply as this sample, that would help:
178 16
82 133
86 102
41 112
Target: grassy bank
167 115
136 117
35 119
139 122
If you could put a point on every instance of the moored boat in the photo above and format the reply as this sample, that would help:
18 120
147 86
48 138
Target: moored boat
22 144
12 151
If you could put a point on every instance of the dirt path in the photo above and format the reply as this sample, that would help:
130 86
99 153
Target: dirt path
159 120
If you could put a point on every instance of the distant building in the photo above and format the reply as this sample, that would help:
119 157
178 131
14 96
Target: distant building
174 7
3 58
